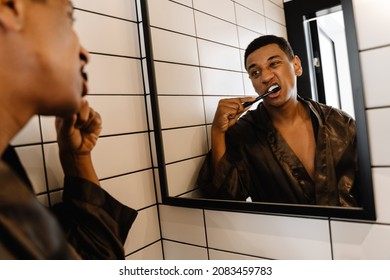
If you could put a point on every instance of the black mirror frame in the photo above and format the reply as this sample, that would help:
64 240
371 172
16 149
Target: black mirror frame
366 212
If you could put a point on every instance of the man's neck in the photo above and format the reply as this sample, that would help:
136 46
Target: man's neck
288 114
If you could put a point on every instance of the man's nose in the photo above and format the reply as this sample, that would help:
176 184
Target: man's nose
267 75
84 55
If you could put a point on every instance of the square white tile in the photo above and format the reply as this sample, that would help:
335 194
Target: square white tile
135 190
176 79
172 16
371 17
184 143
32 161
120 8
255 5
250 19
274 12
29 134
179 111
381 182
375 75
360 241
114 75
152 252
179 251
181 176
215 29
144 231
219 56
119 155
220 82
96 34
273 237
223 9
379 136
182 224
174 47
120 114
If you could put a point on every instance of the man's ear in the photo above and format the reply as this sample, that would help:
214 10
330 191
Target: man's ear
12 14
297 66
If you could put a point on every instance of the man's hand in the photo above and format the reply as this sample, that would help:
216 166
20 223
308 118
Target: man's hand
77 136
228 112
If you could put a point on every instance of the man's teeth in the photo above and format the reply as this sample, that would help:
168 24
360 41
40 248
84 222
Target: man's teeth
272 88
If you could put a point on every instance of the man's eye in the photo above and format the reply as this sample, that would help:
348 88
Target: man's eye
255 74
274 63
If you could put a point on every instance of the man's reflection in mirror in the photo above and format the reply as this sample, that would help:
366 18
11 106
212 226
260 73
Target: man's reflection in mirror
288 150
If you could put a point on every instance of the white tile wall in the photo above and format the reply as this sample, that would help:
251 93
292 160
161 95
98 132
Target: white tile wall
215 8
108 29
177 111
221 255
129 176
372 16
144 232
239 235
214 29
168 15
180 144
174 47
360 241
114 75
101 39
179 251
373 78
175 225
177 79
273 237
118 8
379 136
181 176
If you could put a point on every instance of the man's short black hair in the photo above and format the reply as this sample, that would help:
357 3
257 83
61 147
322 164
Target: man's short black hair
265 40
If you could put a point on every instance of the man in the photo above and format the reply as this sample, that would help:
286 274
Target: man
288 150
42 72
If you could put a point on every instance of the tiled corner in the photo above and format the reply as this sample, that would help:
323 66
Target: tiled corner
144 231
214 8
185 225
152 252
31 158
179 251
29 134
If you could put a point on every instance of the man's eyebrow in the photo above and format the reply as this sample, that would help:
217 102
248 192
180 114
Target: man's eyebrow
269 59
273 57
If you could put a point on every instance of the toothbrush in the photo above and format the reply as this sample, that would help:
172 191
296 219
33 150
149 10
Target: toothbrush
272 89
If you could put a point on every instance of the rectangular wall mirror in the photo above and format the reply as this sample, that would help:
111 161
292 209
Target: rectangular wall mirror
192 64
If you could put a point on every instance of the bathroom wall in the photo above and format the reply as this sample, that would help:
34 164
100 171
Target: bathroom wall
208 234
109 29
198 45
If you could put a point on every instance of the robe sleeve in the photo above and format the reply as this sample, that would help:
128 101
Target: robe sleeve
95 223
226 182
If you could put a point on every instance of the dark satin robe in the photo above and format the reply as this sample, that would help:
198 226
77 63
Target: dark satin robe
259 164
89 224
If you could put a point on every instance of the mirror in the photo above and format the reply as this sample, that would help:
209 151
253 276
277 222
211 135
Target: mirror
304 19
